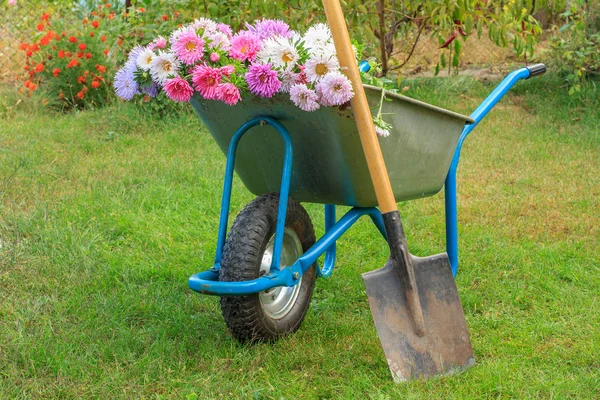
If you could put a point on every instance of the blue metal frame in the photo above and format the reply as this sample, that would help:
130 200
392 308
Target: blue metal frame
450 185
283 194
207 282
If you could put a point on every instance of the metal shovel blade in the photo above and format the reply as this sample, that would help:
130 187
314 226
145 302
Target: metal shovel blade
445 346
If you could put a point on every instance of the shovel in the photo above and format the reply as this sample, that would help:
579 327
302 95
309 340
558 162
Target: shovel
413 300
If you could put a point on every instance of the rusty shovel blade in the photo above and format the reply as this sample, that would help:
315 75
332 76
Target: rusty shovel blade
445 346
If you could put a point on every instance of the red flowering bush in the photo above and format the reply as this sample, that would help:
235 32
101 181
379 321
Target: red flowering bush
74 64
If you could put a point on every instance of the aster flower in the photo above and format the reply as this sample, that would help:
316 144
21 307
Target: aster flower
317 36
134 54
144 59
179 31
267 28
163 66
160 42
228 93
218 40
335 89
280 51
177 89
303 97
205 24
206 80
224 28
262 80
150 90
125 85
317 67
244 46
288 79
227 70
189 47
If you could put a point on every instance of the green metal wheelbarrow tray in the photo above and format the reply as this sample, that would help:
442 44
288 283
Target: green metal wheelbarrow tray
265 269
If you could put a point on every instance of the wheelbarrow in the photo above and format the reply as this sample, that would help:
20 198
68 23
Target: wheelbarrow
265 269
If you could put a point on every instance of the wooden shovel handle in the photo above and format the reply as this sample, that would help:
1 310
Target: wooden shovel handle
360 107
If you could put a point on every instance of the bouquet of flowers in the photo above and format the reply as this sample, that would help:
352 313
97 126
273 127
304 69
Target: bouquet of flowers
266 58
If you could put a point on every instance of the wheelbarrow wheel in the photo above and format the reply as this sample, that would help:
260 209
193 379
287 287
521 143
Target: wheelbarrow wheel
247 255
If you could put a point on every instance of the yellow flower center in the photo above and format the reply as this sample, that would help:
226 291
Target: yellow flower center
190 46
149 60
321 69
287 57
244 50
167 66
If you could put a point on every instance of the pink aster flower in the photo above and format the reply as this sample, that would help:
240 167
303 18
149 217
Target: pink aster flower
160 42
244 46
304 97
227 70
224 28
189 47
262 80
335 89
214 57
206 80
178 89
228 93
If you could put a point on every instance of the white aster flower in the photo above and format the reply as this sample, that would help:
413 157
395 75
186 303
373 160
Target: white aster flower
317 36
208 25
163 66
319 65
217 39
279 51
145 58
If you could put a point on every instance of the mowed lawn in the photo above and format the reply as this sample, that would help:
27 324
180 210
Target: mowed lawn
105 214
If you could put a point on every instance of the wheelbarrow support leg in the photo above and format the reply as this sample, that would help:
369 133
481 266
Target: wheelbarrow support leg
283 193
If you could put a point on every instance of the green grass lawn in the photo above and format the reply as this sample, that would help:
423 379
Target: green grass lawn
105 214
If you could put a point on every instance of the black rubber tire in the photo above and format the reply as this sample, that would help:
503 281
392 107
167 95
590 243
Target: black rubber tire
242 256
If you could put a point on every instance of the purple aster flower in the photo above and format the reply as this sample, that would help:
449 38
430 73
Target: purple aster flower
267 28
150 90
133 56
335 89
304 97
125 85
262 80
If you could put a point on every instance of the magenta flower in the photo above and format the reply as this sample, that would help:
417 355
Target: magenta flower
224 28
178 89
335 89
160 42
227 70
244 46
228 93
214 57
262 80
304 97
267 28
189 47
206 80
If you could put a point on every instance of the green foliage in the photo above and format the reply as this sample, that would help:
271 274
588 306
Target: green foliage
576 46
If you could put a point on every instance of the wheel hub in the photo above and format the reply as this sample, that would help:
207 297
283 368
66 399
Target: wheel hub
279 301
